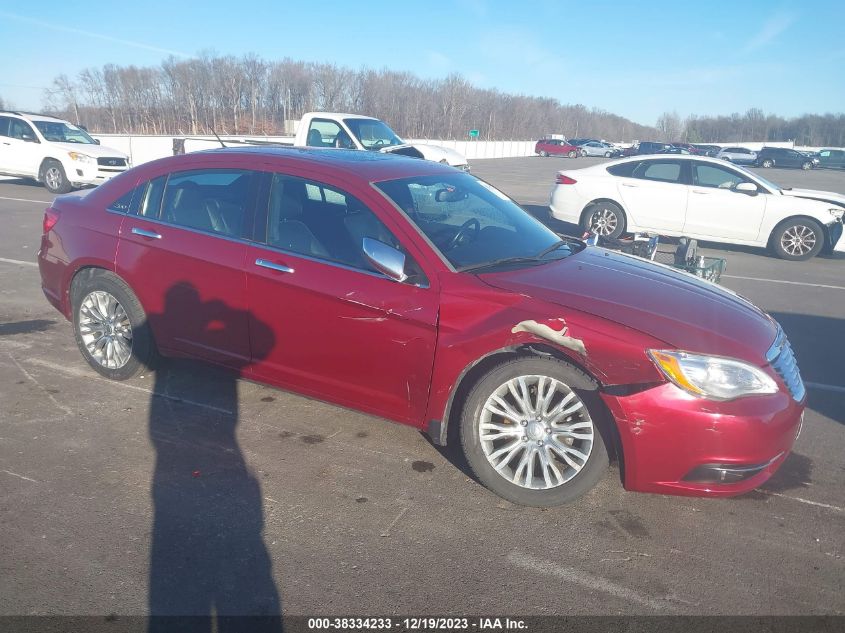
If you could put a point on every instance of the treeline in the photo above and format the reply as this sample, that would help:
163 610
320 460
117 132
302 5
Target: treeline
813 130
249 95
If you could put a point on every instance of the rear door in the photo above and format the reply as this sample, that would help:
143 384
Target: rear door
716 211
340 330
183 253
655 194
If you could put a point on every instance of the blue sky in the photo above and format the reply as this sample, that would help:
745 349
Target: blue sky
637 59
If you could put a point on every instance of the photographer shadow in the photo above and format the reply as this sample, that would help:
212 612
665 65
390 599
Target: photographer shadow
209 568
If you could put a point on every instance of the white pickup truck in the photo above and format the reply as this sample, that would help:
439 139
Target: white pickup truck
354 131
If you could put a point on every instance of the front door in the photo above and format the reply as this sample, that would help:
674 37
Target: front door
716 211
340 330
20 149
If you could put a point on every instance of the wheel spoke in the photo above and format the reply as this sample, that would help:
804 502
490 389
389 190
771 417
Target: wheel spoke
504 409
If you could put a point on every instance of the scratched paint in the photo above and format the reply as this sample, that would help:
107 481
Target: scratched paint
554 330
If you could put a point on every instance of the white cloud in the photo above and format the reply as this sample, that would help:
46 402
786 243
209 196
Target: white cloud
774 26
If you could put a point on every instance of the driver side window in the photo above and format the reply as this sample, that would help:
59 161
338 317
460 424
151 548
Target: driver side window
706 175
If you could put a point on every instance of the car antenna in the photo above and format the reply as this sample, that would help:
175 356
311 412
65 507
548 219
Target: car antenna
222 144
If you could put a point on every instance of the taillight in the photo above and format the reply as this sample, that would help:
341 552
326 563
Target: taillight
51 216
565 180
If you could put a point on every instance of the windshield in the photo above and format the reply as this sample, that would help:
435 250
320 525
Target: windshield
61 132
472 223
373 134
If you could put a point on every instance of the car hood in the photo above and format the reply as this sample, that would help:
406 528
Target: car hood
813 194
683 311
434 153
97 151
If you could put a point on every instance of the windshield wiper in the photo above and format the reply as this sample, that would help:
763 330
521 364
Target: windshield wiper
551 248
529 259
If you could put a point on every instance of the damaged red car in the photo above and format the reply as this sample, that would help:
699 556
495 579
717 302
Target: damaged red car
421 294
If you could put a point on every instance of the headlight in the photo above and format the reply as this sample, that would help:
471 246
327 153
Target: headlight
712 377
82 158
837 213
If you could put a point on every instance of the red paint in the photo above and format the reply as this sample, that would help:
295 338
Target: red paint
554 149
399 351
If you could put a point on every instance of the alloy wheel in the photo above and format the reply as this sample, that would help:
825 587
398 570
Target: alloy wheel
536 432
53 177
798 240
603 222
105 329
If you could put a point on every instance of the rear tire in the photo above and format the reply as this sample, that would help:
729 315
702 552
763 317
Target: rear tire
110 326
798 239
544 153
551 451
768 163
605 219
572 153
807 165
54 178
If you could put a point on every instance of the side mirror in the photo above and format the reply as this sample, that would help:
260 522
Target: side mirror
29 138
385 259
748 188
97 141
592 240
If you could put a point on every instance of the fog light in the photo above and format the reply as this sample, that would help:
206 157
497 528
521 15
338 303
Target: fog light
726 473
78 172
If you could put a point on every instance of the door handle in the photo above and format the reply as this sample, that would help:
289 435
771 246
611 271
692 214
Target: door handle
700 192
628 184
273 266
145 233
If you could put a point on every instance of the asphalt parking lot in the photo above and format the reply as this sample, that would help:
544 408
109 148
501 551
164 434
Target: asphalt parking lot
329 511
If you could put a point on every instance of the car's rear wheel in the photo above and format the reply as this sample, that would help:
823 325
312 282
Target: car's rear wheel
530 433
110 326
54 178
807 165
768 163
798 239
572 153
543 153
604 218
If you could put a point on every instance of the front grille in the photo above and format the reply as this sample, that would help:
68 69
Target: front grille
783 362
112 162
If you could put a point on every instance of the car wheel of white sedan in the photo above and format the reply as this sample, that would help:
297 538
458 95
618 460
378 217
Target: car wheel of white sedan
604 219
797 239
530 433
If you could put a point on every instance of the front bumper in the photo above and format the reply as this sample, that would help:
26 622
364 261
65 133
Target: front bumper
91 174
675 443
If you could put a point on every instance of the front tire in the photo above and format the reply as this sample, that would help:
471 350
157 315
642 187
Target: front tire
530 433
807 165
798 239
54 178
608 154
605 219
572 153
110 326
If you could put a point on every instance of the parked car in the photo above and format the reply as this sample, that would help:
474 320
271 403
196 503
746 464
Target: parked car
649 147
581 141
707 150
555 147
832 158
782 157
597 148
814 156
702 198
297 268
675 150
691 149
738 155
56 153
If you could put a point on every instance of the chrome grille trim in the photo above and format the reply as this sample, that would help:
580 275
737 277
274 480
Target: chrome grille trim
782 360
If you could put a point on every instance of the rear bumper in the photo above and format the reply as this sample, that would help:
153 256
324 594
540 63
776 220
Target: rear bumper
675 443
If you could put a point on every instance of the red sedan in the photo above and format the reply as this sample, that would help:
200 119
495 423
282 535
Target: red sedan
555 147
415 292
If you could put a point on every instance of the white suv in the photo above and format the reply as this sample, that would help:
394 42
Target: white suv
56 153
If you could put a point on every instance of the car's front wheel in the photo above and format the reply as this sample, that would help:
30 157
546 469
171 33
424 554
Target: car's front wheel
572 153
807 165
54 178
798 239
530 434
608 154
110 326
604 219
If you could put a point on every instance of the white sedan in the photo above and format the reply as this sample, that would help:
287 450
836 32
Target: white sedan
702 198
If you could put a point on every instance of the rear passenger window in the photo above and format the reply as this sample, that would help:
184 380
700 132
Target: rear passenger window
149 204
124 204
663 171
625 169
211 200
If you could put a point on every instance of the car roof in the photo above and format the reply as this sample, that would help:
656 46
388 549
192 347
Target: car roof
641 157
361 164
31 116
341 115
